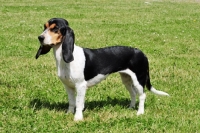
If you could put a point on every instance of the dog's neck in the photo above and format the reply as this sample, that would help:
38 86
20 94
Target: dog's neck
57 50
60 63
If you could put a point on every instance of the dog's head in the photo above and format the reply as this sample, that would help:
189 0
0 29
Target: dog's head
57 32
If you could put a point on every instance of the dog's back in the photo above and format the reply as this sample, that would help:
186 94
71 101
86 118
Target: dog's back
109 60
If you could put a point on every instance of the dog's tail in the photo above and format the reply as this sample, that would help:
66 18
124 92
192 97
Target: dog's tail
152 89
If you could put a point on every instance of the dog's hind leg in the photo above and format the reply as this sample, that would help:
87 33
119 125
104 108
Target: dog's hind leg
142 95
139 88
127 81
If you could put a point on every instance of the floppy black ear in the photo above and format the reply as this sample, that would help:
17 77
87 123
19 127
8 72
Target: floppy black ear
68 44
42 50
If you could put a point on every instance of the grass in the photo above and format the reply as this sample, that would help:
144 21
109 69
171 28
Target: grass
34 100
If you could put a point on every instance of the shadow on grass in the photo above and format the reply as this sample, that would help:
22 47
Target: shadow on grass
38 104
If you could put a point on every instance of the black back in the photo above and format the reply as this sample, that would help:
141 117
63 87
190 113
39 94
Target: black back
107 60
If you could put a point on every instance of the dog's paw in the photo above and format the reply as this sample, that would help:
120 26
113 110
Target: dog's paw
70 110
131 106
140 112
78 116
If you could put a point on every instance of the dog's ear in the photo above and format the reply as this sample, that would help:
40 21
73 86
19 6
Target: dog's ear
42 50
68 44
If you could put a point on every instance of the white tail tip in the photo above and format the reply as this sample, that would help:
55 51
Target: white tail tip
159 92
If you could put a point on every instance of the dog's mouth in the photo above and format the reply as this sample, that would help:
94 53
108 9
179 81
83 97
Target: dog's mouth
42 44
43 49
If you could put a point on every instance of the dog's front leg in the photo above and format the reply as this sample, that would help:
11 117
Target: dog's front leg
80 99
71 99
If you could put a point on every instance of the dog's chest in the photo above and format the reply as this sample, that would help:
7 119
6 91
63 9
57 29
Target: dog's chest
70 73
64 73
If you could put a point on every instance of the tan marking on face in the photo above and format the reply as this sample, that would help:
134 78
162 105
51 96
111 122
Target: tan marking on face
47 25
56 37
52 26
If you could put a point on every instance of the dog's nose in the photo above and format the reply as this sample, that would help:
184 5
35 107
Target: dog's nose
41 38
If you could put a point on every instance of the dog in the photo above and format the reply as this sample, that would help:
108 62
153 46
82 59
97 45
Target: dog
80 68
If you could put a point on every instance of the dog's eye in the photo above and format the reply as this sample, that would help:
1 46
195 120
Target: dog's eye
55 30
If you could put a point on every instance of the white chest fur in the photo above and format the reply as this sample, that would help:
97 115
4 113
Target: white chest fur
70 73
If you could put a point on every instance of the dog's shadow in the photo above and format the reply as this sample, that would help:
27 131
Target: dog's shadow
38 104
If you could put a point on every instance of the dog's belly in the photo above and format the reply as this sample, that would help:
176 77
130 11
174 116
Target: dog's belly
97 79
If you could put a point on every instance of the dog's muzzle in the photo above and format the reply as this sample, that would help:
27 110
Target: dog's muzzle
41 38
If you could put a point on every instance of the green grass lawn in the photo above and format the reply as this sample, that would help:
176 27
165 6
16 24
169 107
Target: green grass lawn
32 99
